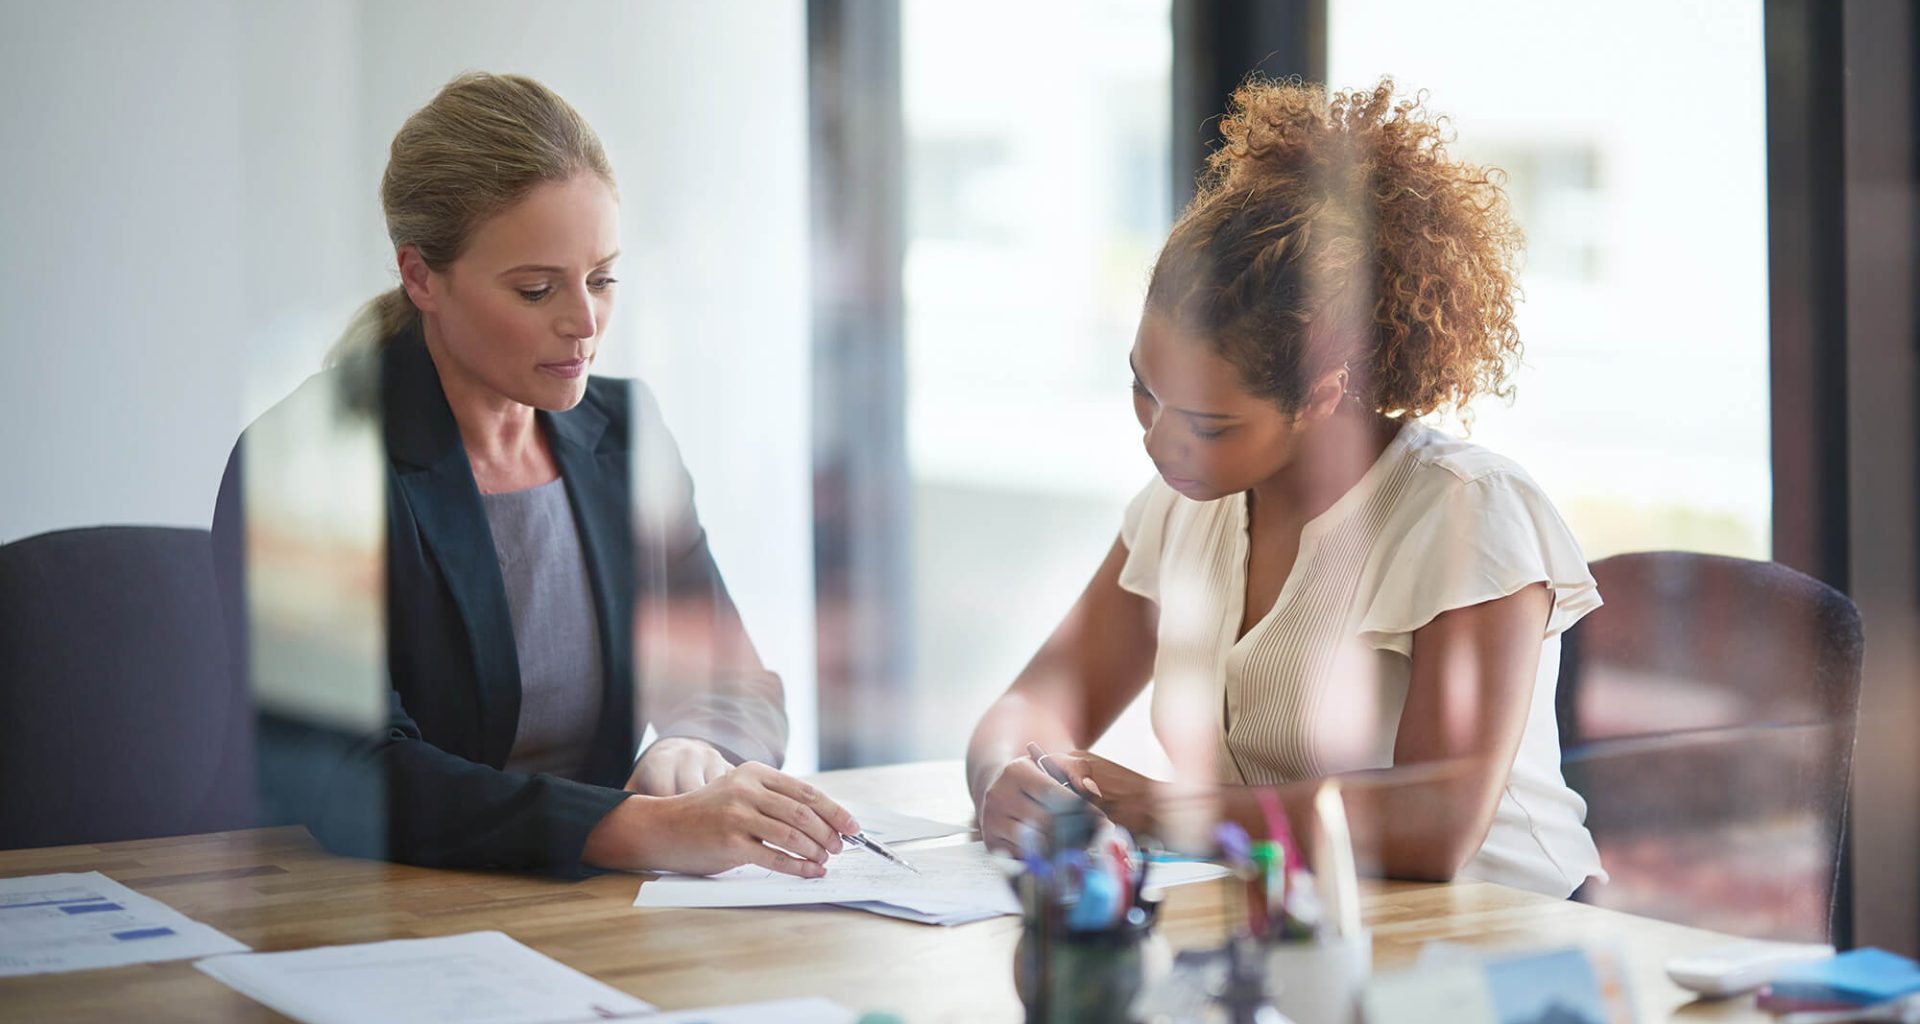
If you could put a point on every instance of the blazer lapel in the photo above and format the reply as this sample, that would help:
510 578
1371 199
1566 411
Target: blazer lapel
430 464
593 462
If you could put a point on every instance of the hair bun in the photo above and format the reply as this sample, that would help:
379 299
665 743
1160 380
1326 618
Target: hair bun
1335 228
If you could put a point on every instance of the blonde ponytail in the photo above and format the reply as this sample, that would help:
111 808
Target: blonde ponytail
380 318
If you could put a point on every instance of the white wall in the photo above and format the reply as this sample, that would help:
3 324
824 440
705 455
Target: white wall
122 272
191 215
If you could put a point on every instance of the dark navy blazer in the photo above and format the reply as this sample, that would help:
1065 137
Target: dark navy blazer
429 787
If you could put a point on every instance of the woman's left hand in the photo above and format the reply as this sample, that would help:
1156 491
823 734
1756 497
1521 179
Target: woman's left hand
676 765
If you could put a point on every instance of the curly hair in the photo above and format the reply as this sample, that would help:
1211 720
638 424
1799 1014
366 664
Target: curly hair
1335 230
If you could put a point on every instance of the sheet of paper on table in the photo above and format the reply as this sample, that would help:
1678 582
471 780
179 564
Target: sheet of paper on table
948 875
926 913
931 912
476 978
781 1011
85 920
955 884
892 827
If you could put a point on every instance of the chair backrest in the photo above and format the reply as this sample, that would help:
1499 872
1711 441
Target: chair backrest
1707 714
119 715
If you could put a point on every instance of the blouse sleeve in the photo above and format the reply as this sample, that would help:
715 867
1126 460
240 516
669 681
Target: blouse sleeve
1143 531
1483 540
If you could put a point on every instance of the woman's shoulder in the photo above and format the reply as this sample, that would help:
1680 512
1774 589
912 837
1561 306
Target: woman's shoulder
1469 526
1445 463
1455 486
341 395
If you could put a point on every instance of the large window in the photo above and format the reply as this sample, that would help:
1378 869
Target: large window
1037 164
1636 161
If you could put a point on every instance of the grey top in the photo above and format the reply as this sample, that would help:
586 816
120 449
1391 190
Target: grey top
555 634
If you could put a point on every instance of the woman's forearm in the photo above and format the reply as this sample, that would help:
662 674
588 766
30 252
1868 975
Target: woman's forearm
1420 822
1003 734
1093 665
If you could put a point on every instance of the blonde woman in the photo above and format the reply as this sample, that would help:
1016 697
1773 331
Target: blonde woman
521 551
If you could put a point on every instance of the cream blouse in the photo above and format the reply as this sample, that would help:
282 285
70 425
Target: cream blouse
1316 687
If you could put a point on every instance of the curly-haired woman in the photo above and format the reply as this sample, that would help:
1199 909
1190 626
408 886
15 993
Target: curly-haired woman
1317 583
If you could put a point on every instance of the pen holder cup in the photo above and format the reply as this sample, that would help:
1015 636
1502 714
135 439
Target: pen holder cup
1085 976
1320 982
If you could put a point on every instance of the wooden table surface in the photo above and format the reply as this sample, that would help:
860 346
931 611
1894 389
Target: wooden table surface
275 889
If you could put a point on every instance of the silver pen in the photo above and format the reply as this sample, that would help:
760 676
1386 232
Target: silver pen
1054 771
862 839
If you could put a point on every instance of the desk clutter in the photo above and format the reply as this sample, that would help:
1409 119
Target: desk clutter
1860 984
944 885
1806 984
81 921
1089 896
1296 950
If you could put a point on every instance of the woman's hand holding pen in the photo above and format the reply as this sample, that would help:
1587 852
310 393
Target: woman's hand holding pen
1021 796
1029 790
739 818
1122 794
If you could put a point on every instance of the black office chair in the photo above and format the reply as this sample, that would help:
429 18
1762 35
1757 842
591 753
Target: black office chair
119 715
1707 714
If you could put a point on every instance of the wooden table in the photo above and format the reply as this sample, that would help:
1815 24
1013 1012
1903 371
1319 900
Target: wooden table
274 889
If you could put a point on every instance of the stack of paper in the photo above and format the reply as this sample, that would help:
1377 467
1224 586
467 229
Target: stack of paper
76 922
950 879
954 885
893 828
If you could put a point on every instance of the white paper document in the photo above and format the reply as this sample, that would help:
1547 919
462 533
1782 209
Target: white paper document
81 921
948 875
476 978
1167 874
926 911
955 884
893 827
958 913
782 1011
